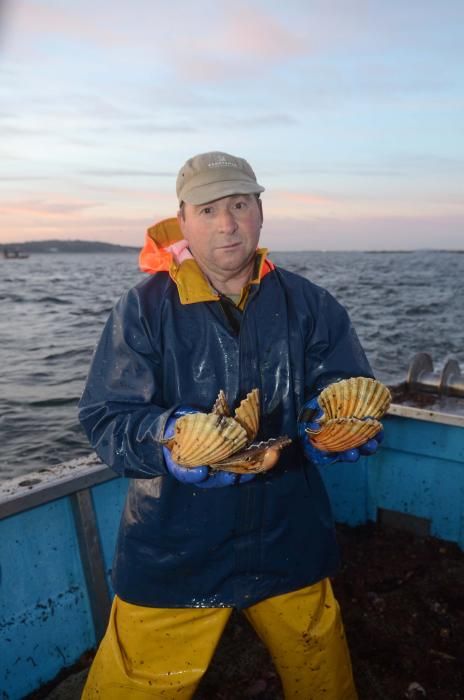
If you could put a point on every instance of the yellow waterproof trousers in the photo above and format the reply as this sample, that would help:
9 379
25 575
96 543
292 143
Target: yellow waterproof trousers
163 653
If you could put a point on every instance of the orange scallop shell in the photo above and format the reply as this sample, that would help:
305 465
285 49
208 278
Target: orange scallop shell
255 458
339 434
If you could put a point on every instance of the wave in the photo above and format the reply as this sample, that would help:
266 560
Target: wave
54 300
74 352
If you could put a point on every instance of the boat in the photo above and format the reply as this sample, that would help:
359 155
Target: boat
14 254
58 526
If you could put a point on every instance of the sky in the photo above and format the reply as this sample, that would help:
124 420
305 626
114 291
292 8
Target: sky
351 113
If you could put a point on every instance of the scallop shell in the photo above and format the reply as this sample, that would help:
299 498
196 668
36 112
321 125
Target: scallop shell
248 414
217 439
259 457
357 397
339 434
202 438
221 407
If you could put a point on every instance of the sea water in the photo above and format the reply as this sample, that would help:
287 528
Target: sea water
53 307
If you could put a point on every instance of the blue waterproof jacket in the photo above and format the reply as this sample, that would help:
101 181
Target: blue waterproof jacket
180 545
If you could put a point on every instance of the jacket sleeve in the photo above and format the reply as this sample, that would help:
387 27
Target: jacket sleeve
333 350
121 409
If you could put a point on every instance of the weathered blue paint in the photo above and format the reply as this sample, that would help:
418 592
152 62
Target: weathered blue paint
45 619
45 616
418 471
108 502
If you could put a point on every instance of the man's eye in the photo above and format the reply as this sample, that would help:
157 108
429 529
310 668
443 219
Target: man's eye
240 205
206 210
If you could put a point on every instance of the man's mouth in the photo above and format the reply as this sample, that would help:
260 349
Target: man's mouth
229 246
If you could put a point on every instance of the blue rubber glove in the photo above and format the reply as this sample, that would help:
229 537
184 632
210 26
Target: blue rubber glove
310 415
202 476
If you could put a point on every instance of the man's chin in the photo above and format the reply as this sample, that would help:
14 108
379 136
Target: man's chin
232 261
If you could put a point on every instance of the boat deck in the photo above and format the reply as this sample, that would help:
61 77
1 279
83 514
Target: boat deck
397 578
69 689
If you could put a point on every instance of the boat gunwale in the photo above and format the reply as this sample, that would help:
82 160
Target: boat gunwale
37 488
426 414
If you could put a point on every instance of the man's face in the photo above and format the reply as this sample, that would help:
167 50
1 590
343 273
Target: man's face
223 234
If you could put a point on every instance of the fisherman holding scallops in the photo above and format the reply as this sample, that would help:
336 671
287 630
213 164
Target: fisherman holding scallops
218 387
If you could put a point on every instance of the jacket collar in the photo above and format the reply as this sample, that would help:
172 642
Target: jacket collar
165 251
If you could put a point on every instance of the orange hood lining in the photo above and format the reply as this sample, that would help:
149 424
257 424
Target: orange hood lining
154 257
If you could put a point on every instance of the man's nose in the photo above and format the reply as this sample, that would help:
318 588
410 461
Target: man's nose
227 222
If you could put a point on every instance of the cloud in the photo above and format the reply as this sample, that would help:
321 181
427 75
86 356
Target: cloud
42 18
242 42
225 120
301 197
254 121
150 128
364 233
46 208
239 32
248 32
123 230
355 170
135 126
114 172
300 204
23 178
17 130
428 162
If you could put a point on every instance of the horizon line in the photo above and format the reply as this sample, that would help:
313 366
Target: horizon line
271 250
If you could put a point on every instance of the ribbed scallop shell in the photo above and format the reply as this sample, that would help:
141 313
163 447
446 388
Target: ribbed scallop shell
202 438
216 439
248 414
357 397
221 407
339 434
254 459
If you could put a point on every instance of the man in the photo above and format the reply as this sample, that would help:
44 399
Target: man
215 313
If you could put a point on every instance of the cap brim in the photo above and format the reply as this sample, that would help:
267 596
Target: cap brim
216 190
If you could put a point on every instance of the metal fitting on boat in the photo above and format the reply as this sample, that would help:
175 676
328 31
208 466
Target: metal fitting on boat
422 377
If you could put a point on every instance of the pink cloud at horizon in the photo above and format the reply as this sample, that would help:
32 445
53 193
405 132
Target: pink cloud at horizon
307 205
364 233
46 208
122 214
279 233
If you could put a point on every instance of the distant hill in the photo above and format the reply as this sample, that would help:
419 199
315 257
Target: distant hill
77 246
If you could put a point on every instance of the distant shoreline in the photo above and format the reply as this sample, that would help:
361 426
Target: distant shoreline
48 247
73 246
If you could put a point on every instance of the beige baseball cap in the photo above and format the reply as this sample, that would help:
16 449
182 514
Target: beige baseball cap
210 176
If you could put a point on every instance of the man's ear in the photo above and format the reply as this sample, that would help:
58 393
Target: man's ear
260 206
181 220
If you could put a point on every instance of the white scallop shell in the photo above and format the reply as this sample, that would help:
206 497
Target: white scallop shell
248 414
201 438
221 407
